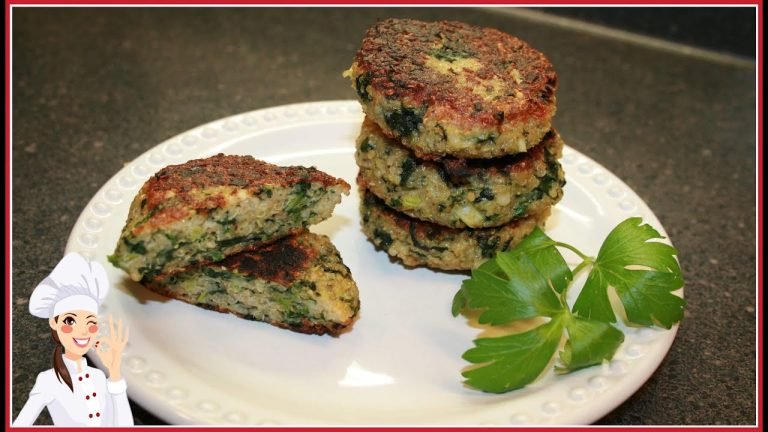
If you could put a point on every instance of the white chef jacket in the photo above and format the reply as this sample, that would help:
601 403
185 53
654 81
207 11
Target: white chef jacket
94 401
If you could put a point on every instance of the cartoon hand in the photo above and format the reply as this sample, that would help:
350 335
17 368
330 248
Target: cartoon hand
110 348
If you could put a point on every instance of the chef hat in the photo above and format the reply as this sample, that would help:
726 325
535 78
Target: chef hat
75 284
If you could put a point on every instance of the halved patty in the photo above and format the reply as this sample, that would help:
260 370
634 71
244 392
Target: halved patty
298 282
206 209
460 193
418 243
449 88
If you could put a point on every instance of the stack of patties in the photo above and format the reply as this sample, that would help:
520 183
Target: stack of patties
458 159
229 233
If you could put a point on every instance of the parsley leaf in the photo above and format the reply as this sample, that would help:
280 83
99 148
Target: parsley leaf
539 248
530 285
527 282
589 343
513 361
646 292
512 287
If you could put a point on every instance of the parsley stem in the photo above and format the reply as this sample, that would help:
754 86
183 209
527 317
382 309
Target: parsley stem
580 267
574 250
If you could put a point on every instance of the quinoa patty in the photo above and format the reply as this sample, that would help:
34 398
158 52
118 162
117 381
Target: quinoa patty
298 282
206 209
449 88
460 193
418 243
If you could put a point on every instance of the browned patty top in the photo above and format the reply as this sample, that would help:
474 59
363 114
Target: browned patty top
497 71
239 172
280 262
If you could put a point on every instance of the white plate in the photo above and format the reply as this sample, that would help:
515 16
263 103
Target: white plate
401 363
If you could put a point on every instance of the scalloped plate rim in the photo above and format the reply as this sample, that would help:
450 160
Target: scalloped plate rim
269 120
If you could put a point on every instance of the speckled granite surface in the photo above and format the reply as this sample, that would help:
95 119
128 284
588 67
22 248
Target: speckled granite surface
94 88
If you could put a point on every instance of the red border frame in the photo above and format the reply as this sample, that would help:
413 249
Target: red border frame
7 214
383 3
759 174
759 228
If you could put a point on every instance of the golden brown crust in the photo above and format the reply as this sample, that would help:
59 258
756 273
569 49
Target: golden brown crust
280 262
243 172
180 184
498 77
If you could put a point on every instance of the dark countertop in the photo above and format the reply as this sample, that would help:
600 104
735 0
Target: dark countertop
94 88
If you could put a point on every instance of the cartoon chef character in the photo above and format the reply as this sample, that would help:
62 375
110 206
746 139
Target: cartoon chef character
74 393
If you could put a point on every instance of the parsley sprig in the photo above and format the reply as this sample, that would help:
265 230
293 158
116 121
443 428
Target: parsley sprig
531 282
